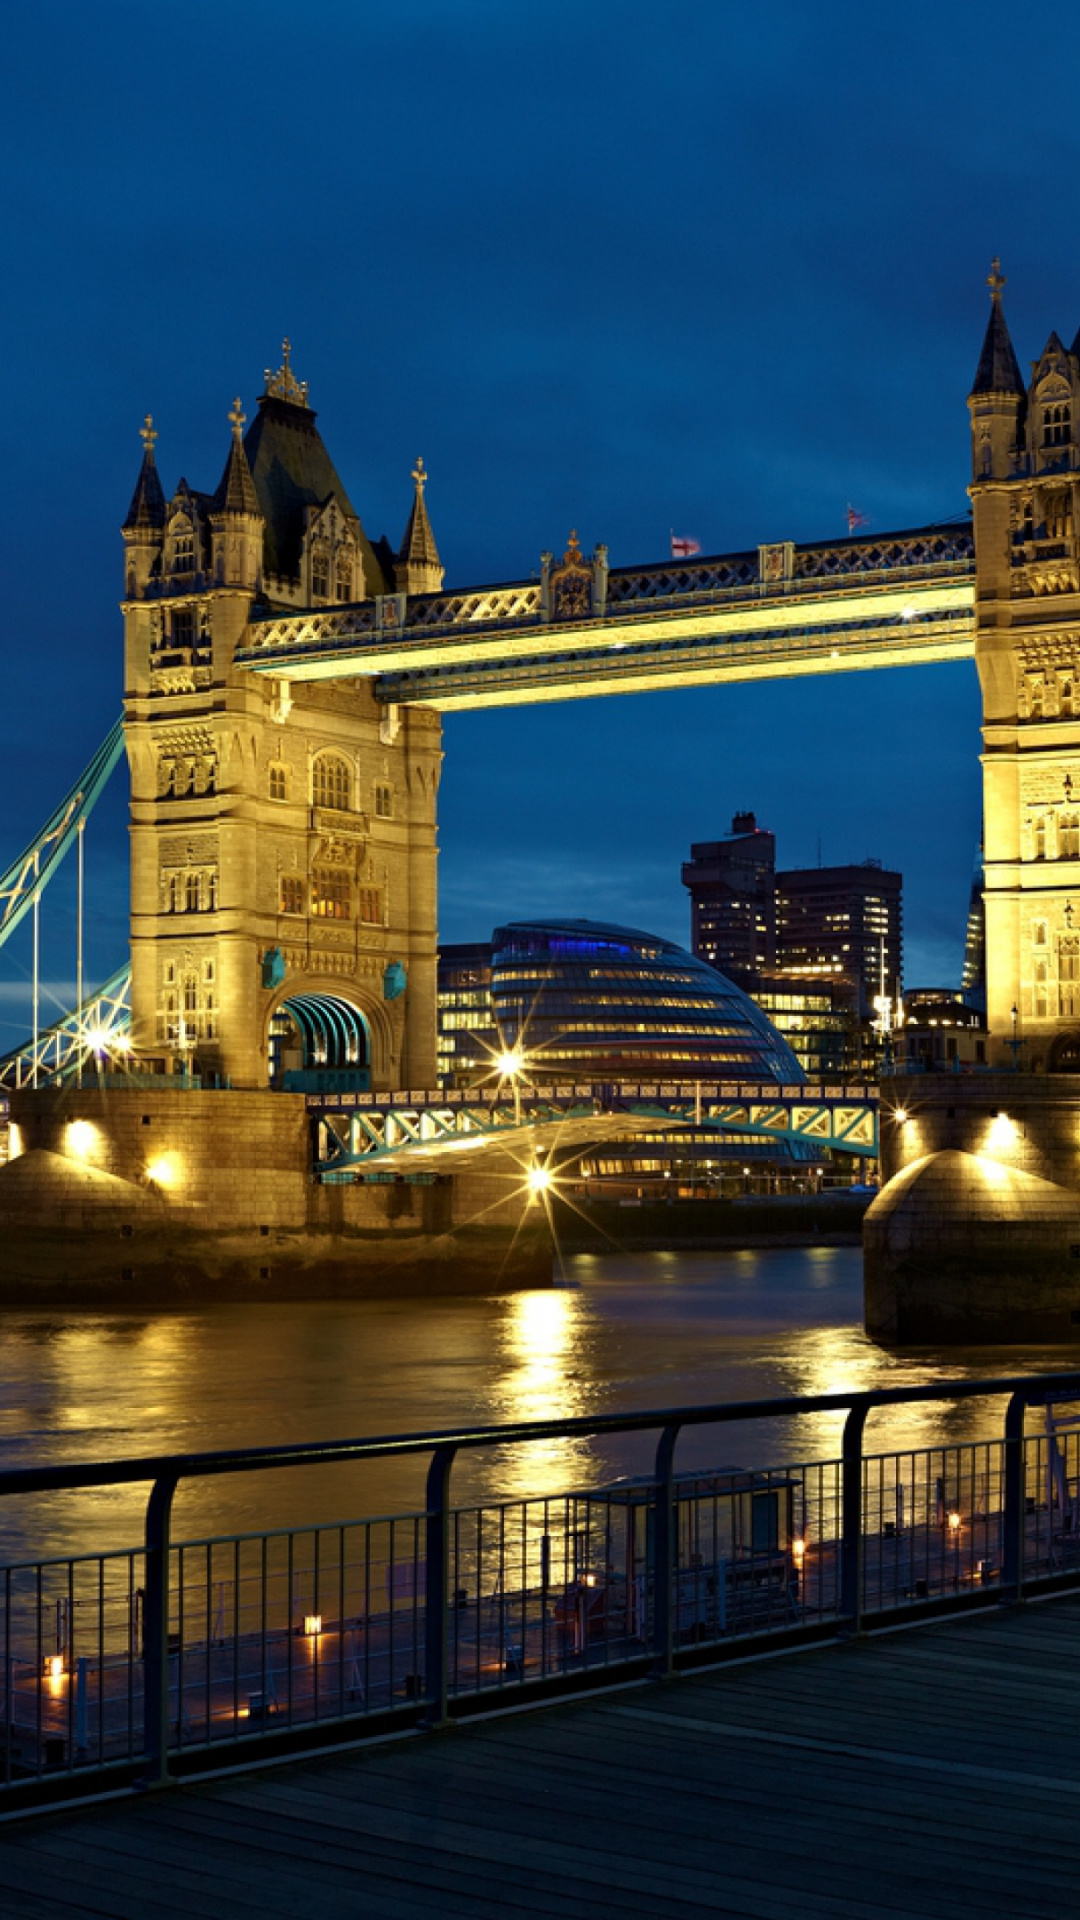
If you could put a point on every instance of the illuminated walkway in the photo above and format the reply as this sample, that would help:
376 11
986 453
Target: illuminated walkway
921 1774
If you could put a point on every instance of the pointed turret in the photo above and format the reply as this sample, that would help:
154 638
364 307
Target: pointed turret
144 525
998 370
236 523
236 488
418 568
997 400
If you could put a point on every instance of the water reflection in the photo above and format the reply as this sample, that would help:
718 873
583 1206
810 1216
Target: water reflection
633 1331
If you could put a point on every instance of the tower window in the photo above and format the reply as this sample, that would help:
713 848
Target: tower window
183 553
370 905
183 627
344 577
320 573
331 782
330 894
191 893
292 894
1057 424
279 782
384 802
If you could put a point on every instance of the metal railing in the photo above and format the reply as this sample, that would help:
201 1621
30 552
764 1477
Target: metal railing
143 1664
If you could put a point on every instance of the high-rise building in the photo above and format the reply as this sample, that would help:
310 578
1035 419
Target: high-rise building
842 924
732 900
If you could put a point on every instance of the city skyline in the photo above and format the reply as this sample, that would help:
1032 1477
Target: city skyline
721 285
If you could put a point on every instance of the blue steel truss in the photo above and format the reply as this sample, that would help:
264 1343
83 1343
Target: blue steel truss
94 1037
372 1131
36 865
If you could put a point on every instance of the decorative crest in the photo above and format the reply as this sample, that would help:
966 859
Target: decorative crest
419 474
995 279
148 433
237 416
571 584
572 556
283 385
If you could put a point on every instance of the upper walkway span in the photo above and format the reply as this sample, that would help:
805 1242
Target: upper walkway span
903 599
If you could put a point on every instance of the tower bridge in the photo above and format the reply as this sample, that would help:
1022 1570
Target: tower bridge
284 679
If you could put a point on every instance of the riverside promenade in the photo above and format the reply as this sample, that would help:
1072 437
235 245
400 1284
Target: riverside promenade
922 1774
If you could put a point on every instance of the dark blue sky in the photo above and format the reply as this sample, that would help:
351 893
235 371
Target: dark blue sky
606 267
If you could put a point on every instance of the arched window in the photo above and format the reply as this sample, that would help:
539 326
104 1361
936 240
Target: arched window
183 550
1057 424
191 893
344 576
331 782
1038 834
320 572
279 781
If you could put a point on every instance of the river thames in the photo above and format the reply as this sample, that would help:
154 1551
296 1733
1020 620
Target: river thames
625 1332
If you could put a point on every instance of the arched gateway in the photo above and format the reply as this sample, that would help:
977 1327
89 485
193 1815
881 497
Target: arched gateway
315 1037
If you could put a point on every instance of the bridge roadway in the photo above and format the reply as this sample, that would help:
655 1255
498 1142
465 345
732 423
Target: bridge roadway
932 1774
903 599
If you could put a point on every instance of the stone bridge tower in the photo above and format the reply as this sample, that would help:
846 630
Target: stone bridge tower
283 887
1024 491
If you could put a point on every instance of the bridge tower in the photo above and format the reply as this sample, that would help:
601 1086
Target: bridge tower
1024 488
283 857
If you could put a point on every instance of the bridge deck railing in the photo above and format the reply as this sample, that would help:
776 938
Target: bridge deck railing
150 1662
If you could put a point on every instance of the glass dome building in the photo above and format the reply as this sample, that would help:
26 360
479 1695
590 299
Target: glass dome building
587 1001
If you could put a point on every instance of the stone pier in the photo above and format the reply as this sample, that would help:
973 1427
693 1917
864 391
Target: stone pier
137 1197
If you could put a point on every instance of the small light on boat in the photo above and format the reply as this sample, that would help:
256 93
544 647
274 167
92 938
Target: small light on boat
313 1624
54 1666
954 1523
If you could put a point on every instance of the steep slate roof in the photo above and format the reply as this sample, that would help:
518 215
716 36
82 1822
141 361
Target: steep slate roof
998 371
418 546
291 471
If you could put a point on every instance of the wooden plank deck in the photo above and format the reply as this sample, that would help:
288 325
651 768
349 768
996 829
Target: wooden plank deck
929 1773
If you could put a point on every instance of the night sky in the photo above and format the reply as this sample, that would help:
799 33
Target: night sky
616 268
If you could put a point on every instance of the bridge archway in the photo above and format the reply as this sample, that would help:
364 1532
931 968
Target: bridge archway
315 1035
1064 1054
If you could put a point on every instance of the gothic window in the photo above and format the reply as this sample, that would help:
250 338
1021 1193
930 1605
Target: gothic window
1058 514
208 970
1057 422
183 627
212 890
1040 999
191 893
320 572
1066 693
1029 520
183 551
384 802
1068 836
279 782
330 894
370 905
191 993
344 576
331 782
1036 691
1038 933
1069 973
292 894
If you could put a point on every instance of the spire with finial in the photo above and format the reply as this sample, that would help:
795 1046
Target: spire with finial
418 568
147 507
998 371
236 490
283 385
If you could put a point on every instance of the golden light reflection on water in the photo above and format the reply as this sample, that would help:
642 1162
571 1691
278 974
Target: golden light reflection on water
544 1377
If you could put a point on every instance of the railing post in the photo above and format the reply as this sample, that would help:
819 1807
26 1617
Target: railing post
1012 1521
436 1586
851 1519
156 1633
665 1554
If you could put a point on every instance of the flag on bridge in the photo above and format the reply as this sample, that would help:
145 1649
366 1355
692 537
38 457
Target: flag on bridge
856 519
682 547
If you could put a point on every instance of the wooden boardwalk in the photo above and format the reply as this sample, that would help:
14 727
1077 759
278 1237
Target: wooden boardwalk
929 1773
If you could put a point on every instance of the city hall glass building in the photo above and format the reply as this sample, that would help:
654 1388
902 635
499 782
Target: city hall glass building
584 1001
